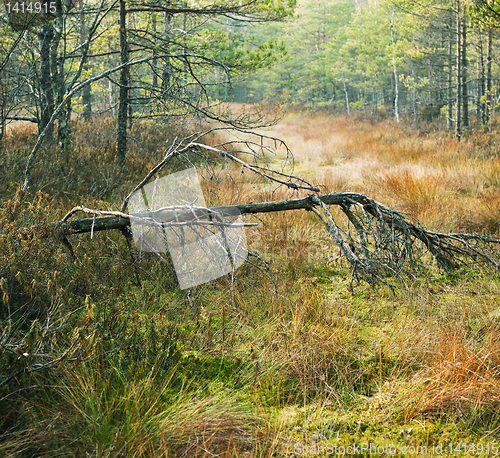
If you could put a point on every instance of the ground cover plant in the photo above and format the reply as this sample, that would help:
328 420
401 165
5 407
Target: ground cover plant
103 355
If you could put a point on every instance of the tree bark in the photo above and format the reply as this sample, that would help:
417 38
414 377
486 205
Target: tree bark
3 110
465 95
124 83
414 93
480 79
46 35
450 67
58 82
489 60
104 223
154 81
458 119
346 94
449 250
396 96
441 70
87 90
22 118
167 68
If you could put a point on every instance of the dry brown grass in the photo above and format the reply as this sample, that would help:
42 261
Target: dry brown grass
461 379
448 185
438 368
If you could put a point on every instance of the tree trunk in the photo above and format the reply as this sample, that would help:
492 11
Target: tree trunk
458 120
346 94
441 71
414 94
121 148
489 60
374 103
111 98
396 96
450 66
184 51
465 95
58 81
480 79
449 250
3 115
154 81
87 90
130 109
167 68
46 35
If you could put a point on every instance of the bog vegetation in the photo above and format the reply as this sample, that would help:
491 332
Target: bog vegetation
101 353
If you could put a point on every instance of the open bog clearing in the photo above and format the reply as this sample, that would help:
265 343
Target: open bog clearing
448 185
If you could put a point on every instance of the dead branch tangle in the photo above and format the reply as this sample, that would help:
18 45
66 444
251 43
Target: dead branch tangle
381 244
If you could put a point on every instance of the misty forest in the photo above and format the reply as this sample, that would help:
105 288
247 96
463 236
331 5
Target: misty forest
249 228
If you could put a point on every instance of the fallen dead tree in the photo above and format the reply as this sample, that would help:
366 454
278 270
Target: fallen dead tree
380 243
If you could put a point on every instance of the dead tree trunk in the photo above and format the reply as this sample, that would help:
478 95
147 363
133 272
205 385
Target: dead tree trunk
381 244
